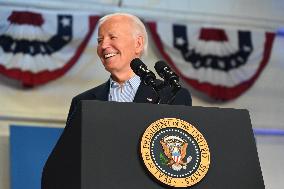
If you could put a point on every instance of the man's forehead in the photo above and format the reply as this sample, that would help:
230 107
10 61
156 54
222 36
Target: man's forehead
116 21
118 18
114 27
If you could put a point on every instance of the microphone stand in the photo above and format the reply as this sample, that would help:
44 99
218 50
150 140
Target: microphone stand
155 88
158 100
159 87
174 93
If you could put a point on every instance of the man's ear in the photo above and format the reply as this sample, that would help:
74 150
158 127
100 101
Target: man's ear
139 44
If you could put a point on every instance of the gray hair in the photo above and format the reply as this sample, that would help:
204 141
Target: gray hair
139 27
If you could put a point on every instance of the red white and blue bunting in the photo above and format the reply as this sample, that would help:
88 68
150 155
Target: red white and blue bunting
37 47
221 62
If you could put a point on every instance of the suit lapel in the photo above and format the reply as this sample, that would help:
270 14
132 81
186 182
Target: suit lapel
145 94
101 92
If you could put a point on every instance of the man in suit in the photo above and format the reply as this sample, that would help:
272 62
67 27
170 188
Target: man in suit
121 38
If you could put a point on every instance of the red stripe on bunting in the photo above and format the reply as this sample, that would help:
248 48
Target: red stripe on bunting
26 17
214 91
29 78
212 34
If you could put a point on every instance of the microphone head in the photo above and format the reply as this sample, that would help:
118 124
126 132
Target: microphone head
159 67
136 65
167 74
140 69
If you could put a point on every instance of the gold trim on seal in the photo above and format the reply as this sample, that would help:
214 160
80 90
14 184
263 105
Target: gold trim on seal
146 141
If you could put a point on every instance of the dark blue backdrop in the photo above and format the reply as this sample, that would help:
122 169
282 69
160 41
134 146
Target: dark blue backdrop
29 149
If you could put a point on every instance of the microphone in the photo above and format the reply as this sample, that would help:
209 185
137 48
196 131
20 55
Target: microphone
165 72
147 76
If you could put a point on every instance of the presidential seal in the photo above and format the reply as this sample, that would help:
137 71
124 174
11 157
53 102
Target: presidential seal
175 152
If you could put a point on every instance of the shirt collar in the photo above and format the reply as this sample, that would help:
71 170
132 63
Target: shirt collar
134 82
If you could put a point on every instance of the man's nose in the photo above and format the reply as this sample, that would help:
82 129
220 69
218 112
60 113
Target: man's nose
105 43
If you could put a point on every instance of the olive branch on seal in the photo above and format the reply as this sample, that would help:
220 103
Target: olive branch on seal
163 160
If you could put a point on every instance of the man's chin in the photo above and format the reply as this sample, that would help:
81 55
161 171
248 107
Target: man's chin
109 68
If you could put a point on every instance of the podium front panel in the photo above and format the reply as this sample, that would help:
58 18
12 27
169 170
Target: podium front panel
111 134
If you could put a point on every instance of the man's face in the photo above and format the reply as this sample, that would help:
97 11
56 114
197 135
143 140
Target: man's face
117 45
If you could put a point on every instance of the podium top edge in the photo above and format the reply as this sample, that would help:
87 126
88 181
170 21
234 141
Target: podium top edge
195 107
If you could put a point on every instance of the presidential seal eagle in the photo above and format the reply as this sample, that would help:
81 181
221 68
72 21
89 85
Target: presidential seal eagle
175 149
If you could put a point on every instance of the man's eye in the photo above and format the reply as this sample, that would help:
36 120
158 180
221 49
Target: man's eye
113 37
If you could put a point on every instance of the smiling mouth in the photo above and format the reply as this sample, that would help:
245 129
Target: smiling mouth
106 56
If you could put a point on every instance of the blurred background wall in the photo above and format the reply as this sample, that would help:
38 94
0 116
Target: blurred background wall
47 105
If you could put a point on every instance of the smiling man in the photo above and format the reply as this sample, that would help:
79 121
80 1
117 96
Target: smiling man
121 38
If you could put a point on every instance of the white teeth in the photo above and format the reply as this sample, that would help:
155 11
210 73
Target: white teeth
110 55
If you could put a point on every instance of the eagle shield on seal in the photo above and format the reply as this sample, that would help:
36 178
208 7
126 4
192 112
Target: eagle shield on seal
175 149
